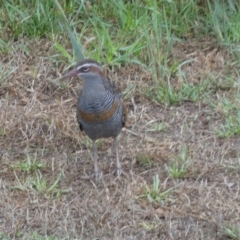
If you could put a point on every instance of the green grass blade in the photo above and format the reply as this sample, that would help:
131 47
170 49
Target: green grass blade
63 21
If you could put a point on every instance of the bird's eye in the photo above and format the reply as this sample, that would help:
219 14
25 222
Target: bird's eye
85 69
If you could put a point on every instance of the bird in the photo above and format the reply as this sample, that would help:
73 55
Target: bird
100 109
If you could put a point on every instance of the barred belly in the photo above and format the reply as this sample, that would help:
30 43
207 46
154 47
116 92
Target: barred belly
103 124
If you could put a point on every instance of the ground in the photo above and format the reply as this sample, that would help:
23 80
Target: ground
44 157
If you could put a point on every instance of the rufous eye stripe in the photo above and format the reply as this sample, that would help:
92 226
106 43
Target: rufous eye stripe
99 117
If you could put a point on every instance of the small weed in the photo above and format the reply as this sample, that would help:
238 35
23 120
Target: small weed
3 236
233 167
230 127
30 165
19 234
2 131
156 127
4 46
149 226
230 111
5 73
233 232
37 236
128 91
178 167
154 194
39 185
145 161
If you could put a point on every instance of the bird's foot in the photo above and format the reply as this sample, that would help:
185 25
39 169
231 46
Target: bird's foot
97 175
118 171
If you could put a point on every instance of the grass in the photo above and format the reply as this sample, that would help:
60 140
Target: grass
34 20
29 165
156 127
170 96
145 161
177 64
6 72
232 164
29 177
233 232
179 166
39 185
231 124
154 193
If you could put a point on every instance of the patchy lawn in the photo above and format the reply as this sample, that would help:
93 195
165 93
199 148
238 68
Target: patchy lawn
181 177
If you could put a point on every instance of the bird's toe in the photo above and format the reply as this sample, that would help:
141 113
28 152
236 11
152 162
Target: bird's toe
97 175
118 171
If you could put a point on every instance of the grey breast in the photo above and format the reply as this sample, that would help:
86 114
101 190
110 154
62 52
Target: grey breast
100 113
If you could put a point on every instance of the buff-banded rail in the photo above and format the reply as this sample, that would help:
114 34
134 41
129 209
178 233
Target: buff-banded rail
100 109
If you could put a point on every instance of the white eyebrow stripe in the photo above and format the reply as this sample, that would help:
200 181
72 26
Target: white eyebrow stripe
87 65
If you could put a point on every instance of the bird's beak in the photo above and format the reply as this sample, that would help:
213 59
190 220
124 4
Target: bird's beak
72 73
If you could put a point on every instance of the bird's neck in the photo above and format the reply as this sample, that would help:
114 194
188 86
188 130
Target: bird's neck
93 88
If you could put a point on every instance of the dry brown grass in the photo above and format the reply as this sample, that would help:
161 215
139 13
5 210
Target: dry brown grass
38 119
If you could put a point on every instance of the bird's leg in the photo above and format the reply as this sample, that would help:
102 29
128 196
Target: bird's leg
95 159
118 165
